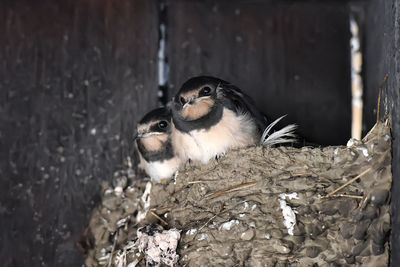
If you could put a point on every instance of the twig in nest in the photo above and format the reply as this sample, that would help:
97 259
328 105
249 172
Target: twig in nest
346 184
209 220
301 174
219 213
195 182
236 188
379 97
113 248
349 196
158 217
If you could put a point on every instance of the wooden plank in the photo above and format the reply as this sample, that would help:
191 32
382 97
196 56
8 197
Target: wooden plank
382 57
291 58
75 76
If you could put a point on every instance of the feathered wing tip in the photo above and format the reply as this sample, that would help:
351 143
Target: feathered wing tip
284 135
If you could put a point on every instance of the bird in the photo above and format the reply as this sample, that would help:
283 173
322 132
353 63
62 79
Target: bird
153 140
210 116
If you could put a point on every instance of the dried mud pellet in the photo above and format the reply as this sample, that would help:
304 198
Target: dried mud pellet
328 207
280 247
370 212
276 233
247 235
350 259
313 230
378 196
361 229
296 239
377 249
378 233
345 207
222 249
313 251
359 248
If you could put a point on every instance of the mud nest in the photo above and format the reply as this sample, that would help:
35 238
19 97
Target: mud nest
257 207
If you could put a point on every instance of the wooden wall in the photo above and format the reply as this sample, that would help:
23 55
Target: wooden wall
291 58
382 57
76 75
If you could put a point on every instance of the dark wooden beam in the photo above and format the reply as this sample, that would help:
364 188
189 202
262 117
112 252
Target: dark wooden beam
75 76
291 58
382 57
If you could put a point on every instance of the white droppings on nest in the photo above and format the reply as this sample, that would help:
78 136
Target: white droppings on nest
351 142
123 221
212 225
120 259
228 225
364 150
289 196
191 231
288 213
175 176
386 138
145 199
159 247
335 152
108 191
203 236
118 190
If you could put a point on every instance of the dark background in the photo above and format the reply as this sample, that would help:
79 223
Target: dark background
75 76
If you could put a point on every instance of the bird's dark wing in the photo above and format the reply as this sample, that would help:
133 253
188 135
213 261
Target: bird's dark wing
234 99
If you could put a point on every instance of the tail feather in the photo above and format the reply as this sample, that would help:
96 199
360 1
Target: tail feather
282 136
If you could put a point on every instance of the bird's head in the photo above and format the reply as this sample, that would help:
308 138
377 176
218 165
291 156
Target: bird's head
154 129
196 98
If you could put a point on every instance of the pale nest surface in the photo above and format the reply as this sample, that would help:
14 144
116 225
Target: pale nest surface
260 207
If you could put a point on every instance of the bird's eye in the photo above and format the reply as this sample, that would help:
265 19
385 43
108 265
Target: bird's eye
182 100
163 124
205 91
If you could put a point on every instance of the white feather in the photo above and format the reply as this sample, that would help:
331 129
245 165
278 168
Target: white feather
284 135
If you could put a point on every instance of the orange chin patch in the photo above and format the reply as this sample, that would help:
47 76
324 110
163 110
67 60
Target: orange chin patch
154 142
198 110
190 94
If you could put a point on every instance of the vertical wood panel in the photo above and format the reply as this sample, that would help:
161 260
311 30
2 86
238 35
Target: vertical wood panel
382 57
74 78
291 58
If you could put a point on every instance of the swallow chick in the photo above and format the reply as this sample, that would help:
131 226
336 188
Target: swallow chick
156 152
211 116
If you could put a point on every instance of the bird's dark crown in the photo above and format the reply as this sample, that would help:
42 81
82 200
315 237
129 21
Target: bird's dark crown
155 115
200 81
160 115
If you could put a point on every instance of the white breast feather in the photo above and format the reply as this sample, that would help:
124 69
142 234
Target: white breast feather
158 170
231 132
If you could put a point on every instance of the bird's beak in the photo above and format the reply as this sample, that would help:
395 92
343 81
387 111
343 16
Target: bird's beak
137 135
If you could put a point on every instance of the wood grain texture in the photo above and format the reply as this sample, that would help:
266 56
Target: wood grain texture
291 58
75 76
382 57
